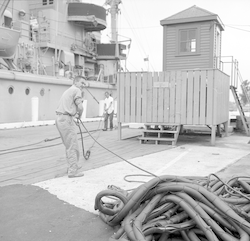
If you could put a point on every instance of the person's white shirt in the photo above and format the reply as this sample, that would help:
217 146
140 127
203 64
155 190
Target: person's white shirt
109 104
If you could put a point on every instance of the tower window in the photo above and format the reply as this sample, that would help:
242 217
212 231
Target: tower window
188 41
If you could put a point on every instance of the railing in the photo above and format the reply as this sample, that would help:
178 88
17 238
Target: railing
230 65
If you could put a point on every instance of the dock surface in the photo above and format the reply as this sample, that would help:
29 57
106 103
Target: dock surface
34 154
38 201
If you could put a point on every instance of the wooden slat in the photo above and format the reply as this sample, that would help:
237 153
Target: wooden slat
190 94
118 96
149 97
139 98
121 99
223 114
155 98
203 97
133 97
224 98
160 99
172 97
210 96
196 110
226 86
216 98
184 98
166 97
127 101
159 131
178 98
144 97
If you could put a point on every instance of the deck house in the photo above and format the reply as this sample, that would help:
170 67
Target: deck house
191 89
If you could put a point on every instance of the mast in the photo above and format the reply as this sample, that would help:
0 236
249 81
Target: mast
114 10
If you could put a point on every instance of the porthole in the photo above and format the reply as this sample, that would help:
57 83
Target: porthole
11 90
42 92
27 91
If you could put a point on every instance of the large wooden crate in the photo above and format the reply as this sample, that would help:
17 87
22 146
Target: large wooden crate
186 97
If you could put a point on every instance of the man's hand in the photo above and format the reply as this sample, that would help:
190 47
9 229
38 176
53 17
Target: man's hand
77 115
77 122
76 118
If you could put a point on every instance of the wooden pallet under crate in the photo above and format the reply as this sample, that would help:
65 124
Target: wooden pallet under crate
160 133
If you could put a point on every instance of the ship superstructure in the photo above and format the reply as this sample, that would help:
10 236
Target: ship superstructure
44 43
57 36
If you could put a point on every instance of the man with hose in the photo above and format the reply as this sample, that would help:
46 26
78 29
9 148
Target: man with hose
70 107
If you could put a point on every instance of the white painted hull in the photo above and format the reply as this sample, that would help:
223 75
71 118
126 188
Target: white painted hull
18 106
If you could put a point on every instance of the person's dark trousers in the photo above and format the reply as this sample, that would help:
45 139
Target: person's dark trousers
110 117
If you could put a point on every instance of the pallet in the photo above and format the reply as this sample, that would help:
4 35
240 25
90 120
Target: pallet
160 133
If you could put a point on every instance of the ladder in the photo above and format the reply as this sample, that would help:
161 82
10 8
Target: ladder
239 106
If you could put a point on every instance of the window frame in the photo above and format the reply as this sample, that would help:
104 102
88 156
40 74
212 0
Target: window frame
178 37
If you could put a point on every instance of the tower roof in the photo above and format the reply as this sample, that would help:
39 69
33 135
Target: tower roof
192 14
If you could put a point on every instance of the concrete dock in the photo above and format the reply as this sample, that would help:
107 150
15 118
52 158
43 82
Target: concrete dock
39 202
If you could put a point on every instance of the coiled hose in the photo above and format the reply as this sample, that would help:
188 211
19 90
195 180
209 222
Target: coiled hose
179 208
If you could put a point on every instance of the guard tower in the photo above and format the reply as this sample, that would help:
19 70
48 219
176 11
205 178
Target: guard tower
191 89
192 40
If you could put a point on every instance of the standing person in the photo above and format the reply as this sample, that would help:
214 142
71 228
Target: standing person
108 111
70 107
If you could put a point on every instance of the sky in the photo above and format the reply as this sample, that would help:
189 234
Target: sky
139 21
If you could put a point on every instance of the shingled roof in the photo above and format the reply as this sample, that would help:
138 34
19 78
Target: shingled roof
192 14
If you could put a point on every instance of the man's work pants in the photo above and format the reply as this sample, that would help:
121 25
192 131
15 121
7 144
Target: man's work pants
110 117
67 129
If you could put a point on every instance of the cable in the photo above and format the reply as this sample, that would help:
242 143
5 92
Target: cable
228 186
92 95
244 30
117 154
13 148
30 149
87 154
136 175
36 148
140 47
138 13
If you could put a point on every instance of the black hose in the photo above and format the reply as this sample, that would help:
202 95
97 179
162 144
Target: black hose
87 155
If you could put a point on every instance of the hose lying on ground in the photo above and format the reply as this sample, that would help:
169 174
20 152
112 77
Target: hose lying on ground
179 208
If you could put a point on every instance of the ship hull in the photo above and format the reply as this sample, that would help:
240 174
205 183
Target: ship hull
23 95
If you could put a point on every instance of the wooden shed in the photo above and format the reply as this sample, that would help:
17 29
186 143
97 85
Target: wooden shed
192 40
191 90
